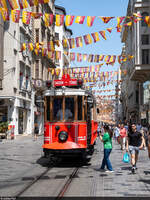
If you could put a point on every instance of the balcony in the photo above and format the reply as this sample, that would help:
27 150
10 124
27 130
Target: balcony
140 73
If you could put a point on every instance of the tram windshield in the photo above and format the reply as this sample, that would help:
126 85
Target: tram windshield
64 108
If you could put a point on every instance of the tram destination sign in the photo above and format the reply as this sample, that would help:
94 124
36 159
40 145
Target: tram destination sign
65 81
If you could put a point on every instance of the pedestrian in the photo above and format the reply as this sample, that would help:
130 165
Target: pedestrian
36 131
123 135
148 147
134 144
116 133
138 126
107 140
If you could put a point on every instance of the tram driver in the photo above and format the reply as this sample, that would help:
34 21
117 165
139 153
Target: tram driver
68 114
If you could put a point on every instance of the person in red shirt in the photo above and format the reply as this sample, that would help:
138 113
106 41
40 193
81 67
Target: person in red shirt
123 135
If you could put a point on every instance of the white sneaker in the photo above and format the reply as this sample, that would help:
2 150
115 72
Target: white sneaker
109 171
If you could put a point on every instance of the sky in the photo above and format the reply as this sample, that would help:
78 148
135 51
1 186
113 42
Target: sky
107 8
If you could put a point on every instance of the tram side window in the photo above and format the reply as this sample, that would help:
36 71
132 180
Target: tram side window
79 107
69 108
48 108
57 109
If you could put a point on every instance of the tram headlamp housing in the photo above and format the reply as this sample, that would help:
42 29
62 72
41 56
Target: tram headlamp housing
63 136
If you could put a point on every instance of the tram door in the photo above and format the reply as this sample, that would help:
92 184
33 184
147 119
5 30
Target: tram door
89 118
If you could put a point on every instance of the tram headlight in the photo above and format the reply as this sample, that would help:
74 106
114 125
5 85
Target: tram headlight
63 136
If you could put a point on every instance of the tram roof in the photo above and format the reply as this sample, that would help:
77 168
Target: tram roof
67 92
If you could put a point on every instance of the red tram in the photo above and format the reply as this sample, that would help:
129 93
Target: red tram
70 119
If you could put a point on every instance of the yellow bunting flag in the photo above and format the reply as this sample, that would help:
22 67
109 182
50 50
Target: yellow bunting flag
69 20
79 42
147 20
95 36
59 20
13 4
23 4
48 19
23 47
90 20
15 15
4 13
3 4
106 19
79 19
30 46
26 17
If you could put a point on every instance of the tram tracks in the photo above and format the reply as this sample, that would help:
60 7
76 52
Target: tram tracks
64 187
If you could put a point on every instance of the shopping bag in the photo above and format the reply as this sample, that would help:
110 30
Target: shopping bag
126 158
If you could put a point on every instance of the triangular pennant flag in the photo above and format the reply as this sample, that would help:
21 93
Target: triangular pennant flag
90 20
87 39
120 20
72 56
106 19
4 13
95 36
23 4
69 20
3 4
64 43
85 57
128 24
13 4
71 43
109 29
79 19
48 19
26 17
44 51
23 47
59 20
79 42
30 46
79 57
147 20
103 34
15 15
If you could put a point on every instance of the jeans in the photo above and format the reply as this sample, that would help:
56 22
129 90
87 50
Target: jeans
106 160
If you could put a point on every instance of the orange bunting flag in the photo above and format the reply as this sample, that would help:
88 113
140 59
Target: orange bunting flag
23 47
101 57
147 20
59 20
57 43
50 46
119 28
15 15
80 19
95 36
3 4
87 39
106 19
69 20
4 13
85 57
13 4
26 17
90 20
48 19
79 42
128 24
137 15
30 46
79 57
109 29
58 55
72 56
107 59
44 51
120 20
23 4
103 34
36 15
64 43
71 43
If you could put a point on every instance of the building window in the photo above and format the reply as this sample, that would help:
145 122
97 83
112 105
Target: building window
56 36
137 96
145 39
145 56
143 15
37 69
37 35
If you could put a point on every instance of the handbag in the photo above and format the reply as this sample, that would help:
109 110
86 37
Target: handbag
126 158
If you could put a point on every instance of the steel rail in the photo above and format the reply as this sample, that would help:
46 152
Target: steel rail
31 183
66 185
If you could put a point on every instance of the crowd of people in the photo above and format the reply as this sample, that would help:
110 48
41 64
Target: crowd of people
131 137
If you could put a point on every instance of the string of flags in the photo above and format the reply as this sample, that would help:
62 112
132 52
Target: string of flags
59 20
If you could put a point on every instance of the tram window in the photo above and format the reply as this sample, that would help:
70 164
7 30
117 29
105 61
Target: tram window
48 108
79 107
57 109
69 108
